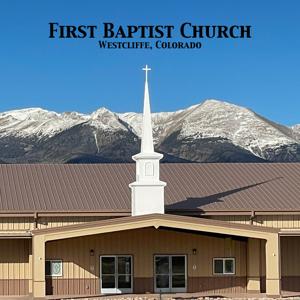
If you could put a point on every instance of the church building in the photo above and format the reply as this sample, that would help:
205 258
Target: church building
200 229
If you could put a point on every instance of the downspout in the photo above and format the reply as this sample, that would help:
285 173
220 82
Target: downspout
35 222
252 217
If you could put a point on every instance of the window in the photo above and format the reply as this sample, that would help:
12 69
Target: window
149 169
53 267
224 266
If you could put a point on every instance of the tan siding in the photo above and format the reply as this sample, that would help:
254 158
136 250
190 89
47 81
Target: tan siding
275 221
14 259
14 265
278 221
263 258
16 223
233 219
27 223
290 265
143 244
290 247
49 222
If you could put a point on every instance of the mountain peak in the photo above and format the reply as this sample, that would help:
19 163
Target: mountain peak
213 101
221 103
100 112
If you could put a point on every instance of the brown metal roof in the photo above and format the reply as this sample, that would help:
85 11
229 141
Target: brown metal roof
104 187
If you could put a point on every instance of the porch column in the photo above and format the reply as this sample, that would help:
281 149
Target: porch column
273 276
253 265
38 270
30 270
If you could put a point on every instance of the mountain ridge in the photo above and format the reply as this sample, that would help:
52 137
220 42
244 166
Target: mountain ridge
211 131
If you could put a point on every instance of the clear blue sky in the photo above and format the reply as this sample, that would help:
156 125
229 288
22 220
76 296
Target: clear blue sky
262 73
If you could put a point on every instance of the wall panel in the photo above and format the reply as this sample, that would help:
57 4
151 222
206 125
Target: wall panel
290 263
79 266
275 221
14 266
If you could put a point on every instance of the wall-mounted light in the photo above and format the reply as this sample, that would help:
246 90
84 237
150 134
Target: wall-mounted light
194 251
92 252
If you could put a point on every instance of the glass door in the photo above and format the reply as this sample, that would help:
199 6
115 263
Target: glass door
162 273
178 273
124 273
170 273
116 274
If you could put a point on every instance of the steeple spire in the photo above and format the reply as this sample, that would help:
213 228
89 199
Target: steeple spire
147 192
147 138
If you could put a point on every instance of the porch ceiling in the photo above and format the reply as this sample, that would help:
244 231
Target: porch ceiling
155 220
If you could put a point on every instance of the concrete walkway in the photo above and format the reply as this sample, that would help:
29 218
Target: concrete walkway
179 296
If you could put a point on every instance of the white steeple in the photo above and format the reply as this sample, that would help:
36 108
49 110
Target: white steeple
147 192
147 139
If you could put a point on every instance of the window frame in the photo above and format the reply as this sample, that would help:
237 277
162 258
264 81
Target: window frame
223 259
61 269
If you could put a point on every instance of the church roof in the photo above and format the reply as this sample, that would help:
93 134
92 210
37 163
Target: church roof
191 188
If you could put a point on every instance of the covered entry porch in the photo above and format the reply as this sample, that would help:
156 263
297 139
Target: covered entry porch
154 253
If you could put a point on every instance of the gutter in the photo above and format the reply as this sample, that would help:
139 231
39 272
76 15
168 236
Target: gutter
123 213
64 214
250 213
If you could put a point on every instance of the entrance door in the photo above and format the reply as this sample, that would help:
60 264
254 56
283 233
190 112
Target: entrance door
116 274
170 273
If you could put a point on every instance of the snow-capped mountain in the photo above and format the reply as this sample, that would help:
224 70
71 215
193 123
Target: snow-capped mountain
212 131
37 122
